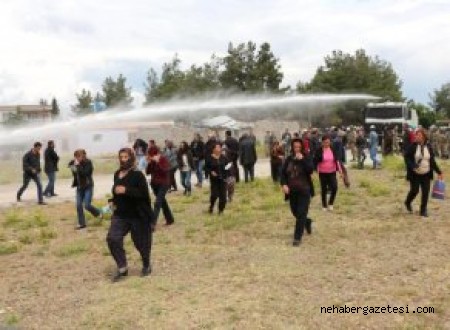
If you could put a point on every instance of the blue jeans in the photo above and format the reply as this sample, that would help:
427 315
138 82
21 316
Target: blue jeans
84 198
26 180
50 189
185 177
373 156
199 170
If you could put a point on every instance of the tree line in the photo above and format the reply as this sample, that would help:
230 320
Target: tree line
249 68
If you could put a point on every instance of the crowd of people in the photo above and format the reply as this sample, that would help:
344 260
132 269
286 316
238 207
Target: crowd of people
293 160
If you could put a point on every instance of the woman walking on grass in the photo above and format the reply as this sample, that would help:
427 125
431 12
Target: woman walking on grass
420 165
132 212
82 170
297 185
159 169
186 165
327 163
231 172
216 166
171 153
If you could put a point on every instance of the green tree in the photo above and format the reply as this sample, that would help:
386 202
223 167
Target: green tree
248 71
199 79
115 92
268 69
151 86
427 116
176 82
235 73
171 80
440 100
55 108
357 73
83 106
243 69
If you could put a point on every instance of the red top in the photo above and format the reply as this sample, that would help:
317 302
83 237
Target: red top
306 145
411 136
159 171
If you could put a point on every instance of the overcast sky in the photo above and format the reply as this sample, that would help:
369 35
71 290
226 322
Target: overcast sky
56 47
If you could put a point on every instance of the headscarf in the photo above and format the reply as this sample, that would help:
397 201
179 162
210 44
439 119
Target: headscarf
131 162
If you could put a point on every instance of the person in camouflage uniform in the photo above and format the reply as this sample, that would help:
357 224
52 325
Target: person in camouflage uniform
360 147
286 142
447 137
388 141
395 138
443 144
434 139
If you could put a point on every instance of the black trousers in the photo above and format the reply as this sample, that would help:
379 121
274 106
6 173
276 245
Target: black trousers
328 182
249 171
236 166
424 183
161 203
299 203
218 191
26 181
173 181
140 234
275 171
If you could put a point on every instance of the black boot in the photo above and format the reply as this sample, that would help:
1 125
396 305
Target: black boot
308 226
296 242
408 207
146 271
119 275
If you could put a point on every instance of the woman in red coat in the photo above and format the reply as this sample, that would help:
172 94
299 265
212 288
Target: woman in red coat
159 169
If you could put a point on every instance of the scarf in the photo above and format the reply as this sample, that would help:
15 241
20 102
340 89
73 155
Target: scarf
131 162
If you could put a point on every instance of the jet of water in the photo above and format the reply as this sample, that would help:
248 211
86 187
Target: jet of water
168 110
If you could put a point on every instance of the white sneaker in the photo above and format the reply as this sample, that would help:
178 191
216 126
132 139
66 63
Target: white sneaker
330 207
324 209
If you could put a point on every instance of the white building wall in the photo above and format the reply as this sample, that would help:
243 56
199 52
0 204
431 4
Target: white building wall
99 142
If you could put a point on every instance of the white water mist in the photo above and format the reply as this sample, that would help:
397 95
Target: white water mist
171 109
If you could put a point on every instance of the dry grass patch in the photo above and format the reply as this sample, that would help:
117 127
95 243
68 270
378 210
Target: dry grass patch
72 249
238 270
8 248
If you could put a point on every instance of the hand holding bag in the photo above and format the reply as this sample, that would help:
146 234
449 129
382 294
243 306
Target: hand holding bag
438 191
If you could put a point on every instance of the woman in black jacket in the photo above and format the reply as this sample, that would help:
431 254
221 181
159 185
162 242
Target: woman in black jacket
216 165
420 165
297 184
186 165
132 212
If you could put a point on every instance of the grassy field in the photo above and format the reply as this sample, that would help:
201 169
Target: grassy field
238 271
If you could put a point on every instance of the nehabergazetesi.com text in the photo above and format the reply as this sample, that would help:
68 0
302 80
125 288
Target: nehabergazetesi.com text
375 310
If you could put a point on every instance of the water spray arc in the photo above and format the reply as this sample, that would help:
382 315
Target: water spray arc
168 110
